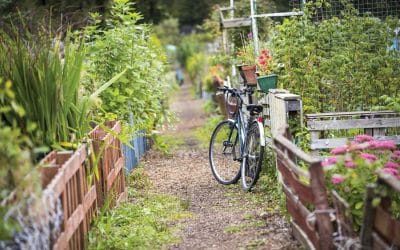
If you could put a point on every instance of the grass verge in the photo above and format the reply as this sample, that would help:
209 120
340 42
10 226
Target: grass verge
146 221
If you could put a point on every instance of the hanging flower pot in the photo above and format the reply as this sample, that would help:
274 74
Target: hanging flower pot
267 82
248 73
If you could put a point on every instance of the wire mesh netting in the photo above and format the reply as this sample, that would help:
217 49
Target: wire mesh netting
376 8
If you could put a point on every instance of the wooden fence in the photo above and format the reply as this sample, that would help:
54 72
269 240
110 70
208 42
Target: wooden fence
319 224
383 125
312 226
107 149
67 174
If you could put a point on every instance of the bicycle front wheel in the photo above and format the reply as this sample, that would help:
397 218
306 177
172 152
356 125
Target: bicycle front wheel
253 157
224 153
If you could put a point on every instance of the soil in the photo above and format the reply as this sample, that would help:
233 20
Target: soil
224 217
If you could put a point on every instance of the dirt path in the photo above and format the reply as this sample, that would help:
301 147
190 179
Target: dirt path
225 217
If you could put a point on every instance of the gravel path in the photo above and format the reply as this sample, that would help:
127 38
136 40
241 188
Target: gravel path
225 217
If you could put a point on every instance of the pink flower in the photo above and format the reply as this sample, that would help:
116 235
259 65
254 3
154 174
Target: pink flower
339 150
363 138
330 161
391 165
263 62
395 155
368 157
337 179
391 171
349 163
382 145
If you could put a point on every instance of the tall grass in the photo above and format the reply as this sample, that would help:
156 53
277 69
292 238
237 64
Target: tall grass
46 77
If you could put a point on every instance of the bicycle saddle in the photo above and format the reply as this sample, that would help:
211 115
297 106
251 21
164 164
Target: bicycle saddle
254 108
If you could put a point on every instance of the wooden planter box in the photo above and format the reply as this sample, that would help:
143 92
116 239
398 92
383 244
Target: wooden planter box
66 177
107 148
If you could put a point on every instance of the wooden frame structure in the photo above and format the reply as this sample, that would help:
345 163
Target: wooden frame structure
374 123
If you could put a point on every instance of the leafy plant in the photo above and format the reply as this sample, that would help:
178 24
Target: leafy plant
246 54
125 44
353 166
46 85
18 178
337 64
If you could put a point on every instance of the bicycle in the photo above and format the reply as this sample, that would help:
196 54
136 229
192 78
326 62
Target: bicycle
237 145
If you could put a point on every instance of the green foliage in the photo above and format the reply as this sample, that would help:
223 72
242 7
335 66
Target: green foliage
390 103
338 64
17 176
355 165
168 31
142 223
127 45
46 85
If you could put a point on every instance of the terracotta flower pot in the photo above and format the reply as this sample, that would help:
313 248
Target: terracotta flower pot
248 73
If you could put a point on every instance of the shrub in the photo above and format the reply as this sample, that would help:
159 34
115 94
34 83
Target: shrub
125 44
355 165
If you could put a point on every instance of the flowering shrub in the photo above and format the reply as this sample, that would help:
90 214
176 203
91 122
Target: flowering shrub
264 62
353 166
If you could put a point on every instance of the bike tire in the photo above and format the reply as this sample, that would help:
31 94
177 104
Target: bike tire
224 153
253 157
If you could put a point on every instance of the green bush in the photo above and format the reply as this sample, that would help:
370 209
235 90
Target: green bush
337 64
125 44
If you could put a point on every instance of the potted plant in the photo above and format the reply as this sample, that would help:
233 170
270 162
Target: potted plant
266 80
247 66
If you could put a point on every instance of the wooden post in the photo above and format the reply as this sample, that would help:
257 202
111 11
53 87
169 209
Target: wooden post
324 224
369 217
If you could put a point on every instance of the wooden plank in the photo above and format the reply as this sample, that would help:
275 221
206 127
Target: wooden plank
236 22
325 228
293 167
314 125
89 199
369 217
343 215
281 14
301 236
387 227
389 180
114 173
74 163
338 142
61 243
303 192
73 222
347 114
379 243
300 218
280 139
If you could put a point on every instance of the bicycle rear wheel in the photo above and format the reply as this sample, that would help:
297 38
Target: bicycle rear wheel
253 157
224 153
